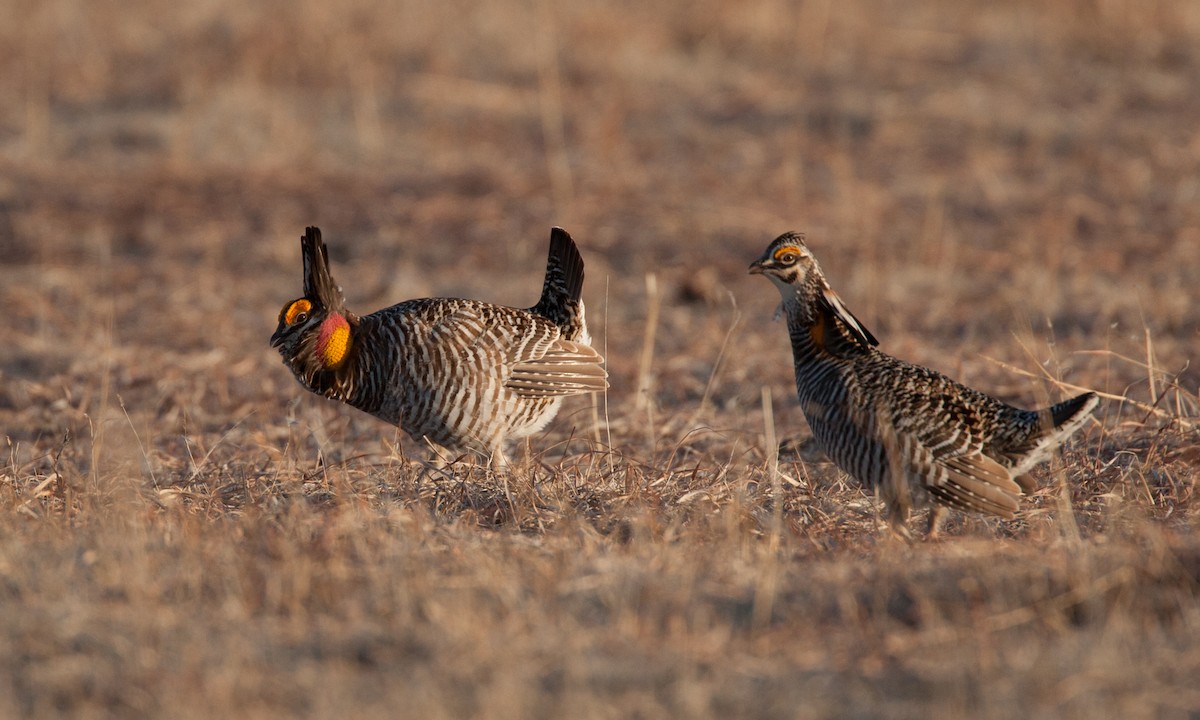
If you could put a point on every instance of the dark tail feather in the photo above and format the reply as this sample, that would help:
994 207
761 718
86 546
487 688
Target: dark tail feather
1068 410
564 274
1051 426
1046 429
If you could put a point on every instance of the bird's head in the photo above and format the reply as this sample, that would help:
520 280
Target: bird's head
789 265
315 331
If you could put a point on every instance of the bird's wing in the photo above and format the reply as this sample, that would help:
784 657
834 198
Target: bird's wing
969 482
538 361
564 368
944 455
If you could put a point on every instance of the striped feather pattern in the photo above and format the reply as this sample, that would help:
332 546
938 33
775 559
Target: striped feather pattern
464 374
907 431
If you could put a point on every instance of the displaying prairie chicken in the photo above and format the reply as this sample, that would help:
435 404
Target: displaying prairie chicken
906 431
463 374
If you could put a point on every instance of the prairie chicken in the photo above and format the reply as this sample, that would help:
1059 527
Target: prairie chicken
463 374
906 431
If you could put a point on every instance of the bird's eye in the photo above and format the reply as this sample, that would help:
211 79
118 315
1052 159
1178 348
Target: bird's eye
297 312
787 258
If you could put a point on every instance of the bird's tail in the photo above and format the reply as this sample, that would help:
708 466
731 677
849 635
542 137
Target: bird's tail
1054 425
562 292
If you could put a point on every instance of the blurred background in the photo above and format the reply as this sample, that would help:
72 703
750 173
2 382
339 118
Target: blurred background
968 172
1016 181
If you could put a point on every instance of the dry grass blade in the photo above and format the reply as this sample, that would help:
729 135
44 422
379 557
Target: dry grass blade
1070 387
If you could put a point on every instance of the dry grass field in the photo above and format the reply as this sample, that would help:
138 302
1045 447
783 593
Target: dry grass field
1007 192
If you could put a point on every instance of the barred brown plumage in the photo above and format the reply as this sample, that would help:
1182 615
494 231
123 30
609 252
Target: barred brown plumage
906 431
463 374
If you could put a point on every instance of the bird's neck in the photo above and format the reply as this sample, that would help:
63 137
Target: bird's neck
817 334
334 342
333 366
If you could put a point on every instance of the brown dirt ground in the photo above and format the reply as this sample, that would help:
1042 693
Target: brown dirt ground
1007 192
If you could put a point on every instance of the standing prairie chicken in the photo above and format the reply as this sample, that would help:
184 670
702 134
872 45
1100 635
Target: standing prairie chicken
463 374
904 430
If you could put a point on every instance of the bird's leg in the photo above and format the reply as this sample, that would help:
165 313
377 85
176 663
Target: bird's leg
897 499
527 454
499 463
899 525
501 469
937 514
897 517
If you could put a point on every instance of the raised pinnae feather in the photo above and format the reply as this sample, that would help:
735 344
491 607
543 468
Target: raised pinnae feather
318 281
859 331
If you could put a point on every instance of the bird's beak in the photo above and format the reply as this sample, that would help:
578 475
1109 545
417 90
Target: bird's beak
758 267
277 338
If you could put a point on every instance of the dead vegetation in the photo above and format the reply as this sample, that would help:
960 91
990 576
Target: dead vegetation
1007 193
